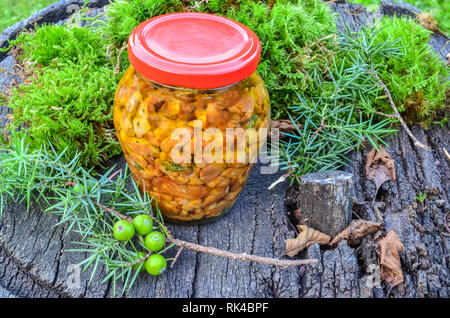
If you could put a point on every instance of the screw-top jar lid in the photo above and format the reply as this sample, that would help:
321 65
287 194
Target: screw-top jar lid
195 50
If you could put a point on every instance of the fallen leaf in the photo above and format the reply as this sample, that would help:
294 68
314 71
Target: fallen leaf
307 237
356 230
388 249
379 167
283 125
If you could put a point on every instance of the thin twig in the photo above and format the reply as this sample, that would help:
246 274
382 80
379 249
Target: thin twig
111 211
279 180
243 256
176 256
309 46
114 174
385 115
397 114
322 126
446 153
140 260
117 68
216 251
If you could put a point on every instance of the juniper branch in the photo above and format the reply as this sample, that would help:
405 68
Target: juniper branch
216 251
417 143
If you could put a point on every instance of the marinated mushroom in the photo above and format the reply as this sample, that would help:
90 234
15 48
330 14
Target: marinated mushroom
146 114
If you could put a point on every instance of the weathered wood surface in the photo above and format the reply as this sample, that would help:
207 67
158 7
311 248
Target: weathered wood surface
323 201
33 261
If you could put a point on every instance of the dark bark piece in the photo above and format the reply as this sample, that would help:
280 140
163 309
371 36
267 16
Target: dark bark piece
311 286
34 261
336 274
323 201
398 8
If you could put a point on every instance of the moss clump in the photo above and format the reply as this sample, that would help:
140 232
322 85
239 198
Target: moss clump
125 15
417 77
287 30
67 101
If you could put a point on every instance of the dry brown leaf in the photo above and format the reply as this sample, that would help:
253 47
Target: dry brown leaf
307 237
388 249
379 167
356 230
283 125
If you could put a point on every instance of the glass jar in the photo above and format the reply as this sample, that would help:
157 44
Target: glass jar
191 113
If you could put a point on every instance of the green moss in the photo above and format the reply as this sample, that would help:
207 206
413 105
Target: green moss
125 15
67 102
417 77
51 44
285 29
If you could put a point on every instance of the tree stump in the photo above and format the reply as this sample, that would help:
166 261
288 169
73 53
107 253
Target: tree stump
323 201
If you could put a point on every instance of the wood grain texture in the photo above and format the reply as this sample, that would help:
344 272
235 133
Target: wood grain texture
323 201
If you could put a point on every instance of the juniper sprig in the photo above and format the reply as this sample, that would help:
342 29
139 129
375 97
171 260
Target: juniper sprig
89 206
82 202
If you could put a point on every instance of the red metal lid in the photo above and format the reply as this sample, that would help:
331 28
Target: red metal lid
196 50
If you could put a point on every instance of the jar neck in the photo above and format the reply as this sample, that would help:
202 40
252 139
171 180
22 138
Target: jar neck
186 89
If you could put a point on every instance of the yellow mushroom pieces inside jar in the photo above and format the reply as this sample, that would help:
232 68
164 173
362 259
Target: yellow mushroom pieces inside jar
145 116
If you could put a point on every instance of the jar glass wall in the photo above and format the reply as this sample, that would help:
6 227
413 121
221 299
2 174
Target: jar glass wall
198 189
